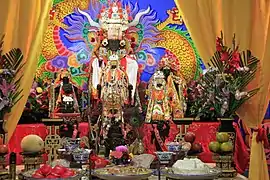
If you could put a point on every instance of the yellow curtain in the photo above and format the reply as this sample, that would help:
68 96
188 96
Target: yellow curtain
249 20
24 22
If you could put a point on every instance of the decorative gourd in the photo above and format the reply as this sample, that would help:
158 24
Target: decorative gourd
32 143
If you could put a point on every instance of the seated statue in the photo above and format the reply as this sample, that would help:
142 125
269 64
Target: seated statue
65 91
158 104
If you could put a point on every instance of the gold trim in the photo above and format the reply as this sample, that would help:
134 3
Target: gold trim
225 119
183 119
52 120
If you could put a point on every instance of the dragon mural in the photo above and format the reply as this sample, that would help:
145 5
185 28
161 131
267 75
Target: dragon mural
69 45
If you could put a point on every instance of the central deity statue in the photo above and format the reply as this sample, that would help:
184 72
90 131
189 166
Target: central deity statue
113 69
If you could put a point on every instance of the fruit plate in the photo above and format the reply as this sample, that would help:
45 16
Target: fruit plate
212 173
122 173
28 175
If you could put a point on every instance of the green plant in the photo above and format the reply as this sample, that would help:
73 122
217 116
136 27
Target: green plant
222 89
10 67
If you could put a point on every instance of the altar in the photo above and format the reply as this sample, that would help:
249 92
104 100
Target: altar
113 89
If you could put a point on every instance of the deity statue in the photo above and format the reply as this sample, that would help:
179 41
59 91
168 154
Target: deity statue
113 34
112 37
66 94
170 66
158 104
115 91
165 104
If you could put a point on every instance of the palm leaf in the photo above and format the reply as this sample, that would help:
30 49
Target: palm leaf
1 47
13 60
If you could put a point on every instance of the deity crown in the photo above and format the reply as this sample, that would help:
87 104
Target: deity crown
114 14
159 75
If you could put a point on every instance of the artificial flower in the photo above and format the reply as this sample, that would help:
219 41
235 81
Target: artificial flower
224 56
116 154
121 149
39 90
6 88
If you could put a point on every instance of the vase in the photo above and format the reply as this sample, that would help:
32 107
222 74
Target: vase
140 147
226 125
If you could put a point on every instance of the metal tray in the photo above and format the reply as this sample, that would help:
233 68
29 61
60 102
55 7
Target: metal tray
212 173
121 177
27 175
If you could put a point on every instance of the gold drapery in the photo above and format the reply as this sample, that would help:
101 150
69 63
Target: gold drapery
249 20
24 22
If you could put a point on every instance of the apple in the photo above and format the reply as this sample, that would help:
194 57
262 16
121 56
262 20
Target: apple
37 175
214 146
68 173
3 149
197 147
190 137
45 169
51 176
58 170
222 137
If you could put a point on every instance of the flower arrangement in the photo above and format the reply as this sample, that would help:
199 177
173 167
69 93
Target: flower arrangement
38 100
37 105
221 90
120 155
10 92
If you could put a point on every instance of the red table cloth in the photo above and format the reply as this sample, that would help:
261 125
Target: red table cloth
205 132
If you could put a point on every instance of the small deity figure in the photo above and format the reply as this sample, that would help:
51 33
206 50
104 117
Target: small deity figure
165 103
170 66
158 105
65 91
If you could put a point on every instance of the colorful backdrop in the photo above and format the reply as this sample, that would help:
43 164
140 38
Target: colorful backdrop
59 53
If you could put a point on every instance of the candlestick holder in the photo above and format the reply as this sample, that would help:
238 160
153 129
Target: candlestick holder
3 171
12 166
32 160
52 140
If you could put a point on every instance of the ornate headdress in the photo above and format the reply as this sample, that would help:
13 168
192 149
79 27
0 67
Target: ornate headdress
158 75
115 14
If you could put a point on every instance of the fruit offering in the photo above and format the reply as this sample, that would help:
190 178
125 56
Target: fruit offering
190 137
222 145
3 149
32 143
222 137
190 145
46 171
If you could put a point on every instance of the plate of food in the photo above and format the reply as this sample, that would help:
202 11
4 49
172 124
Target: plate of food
58 172
123 173
191 169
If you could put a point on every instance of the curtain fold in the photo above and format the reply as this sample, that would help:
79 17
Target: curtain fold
249 20
24 23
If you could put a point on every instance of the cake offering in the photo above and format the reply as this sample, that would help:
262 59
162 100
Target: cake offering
192 168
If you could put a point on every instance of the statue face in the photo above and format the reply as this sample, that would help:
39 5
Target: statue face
159 84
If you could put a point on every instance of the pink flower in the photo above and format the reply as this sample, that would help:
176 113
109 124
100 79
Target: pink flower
6 88
116 154
121 149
